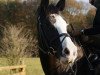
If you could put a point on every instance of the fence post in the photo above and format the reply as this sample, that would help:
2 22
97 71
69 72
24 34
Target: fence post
22 70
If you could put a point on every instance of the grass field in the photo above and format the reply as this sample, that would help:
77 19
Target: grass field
33 66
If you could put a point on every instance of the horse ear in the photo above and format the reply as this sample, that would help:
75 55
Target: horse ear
44 4
61 5
92 2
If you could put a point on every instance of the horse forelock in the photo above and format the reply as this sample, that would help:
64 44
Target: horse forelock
52 9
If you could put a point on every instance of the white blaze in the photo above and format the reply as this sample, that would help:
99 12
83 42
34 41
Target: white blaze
61 26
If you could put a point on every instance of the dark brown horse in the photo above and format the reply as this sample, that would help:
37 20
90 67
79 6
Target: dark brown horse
59 54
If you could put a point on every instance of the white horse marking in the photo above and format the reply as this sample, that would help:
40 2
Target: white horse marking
61 25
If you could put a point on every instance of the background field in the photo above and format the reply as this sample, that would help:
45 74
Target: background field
33 66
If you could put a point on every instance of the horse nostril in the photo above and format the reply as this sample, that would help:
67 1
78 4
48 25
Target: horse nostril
66 51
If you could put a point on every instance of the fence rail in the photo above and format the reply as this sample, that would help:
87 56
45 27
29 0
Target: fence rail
21 69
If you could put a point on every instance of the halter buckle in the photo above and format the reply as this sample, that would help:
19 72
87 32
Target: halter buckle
52 51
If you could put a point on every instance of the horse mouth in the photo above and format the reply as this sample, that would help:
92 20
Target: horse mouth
63 66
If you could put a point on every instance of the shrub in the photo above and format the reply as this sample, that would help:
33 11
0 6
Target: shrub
17 42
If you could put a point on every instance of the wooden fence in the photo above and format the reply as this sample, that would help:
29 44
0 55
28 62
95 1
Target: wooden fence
20 69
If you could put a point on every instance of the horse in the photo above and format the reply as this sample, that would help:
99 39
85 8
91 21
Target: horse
58 52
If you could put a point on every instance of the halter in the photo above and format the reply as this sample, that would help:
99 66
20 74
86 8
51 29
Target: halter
51 50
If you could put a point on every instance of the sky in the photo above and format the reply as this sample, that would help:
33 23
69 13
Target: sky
84 0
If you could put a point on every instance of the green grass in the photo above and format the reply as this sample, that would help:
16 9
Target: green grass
33 66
